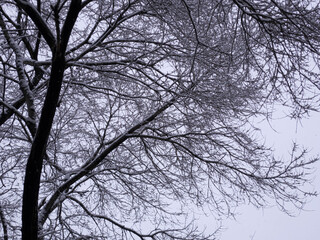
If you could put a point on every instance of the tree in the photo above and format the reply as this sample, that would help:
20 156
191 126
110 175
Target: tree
118 115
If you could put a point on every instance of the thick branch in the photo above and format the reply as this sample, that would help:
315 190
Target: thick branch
71 18
23 83
33 13
14 110
21 100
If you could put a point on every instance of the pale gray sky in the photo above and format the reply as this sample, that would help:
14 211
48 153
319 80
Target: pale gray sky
271 223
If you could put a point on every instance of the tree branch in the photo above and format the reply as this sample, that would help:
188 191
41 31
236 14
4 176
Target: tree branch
4 224
44 29
38 149
23 83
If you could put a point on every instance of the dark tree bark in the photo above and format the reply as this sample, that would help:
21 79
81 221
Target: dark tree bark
4 225
35 160
34 165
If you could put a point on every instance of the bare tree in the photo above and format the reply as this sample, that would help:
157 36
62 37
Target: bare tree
118 117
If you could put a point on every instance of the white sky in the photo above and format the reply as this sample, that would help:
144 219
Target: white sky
271 223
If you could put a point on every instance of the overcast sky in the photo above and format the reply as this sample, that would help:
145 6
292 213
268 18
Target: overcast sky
271 223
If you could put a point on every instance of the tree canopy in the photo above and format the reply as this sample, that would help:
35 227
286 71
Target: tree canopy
118 118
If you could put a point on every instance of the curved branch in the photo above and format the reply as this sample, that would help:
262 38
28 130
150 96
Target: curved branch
71 18
44 29
113 222
23 84
93 163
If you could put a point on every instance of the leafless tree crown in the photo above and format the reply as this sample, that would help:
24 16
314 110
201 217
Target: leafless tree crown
118 118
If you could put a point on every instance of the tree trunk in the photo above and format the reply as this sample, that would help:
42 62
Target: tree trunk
35 160
34 165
